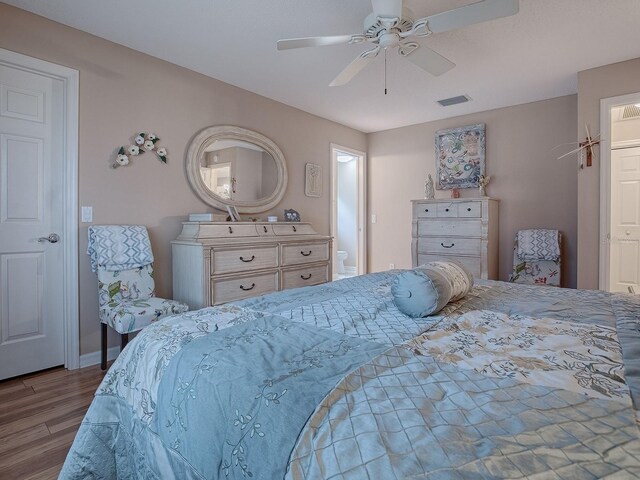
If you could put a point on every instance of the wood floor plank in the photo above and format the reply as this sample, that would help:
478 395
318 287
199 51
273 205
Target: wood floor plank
37 456
23 391
54 373
20 408
50 473
57 425
23 437
43 416
39 417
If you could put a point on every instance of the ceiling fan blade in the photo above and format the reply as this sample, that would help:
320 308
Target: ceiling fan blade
315 41
354 67
469 14
387 8
429 60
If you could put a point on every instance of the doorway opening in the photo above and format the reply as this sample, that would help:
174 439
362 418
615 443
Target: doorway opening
348 212
620 194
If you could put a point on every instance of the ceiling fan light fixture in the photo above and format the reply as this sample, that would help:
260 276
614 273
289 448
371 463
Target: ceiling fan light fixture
447 102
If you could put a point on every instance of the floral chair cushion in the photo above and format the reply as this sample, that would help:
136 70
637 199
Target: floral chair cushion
117 286
534 272
133 315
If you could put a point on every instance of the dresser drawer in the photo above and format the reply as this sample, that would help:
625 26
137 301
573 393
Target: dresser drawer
297 253
304 276
450 245
443 228
447 210
425 210
229 230
470 210
293 228
239 287
243 259
472 263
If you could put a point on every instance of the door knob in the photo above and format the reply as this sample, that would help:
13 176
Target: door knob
52 238
628 232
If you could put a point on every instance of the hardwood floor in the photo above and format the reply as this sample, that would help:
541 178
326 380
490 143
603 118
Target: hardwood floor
39 416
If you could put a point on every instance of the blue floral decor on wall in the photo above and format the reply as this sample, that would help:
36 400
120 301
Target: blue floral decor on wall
460 156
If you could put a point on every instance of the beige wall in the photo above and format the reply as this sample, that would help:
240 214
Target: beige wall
593 85
536 190
122 92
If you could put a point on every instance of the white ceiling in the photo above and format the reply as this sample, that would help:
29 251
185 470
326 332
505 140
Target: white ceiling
531 56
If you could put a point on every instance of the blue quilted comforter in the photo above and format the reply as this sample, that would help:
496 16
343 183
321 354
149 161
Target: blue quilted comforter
334 382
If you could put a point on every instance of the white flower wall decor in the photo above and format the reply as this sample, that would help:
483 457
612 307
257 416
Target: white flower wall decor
143 142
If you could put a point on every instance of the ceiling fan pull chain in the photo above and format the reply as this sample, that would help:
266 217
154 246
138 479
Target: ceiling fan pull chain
385 71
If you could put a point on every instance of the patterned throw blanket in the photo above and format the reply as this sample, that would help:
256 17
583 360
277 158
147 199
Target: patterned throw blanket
538 244
119 247
510 382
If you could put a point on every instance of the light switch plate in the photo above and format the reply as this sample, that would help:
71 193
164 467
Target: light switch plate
374 218
87 214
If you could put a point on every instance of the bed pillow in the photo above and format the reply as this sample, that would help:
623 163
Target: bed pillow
460 278
426 289
421 292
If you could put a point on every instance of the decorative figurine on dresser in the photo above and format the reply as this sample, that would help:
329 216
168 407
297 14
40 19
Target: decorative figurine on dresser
462 229
216 262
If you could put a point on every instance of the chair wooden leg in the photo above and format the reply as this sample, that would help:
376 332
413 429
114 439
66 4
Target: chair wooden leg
124 339
103 361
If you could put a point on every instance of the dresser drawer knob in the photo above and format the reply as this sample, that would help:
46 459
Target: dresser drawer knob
242 259
448 246
426 209
305 254
265 228
246 289
294 228
446 209
305 278
468 209
230 230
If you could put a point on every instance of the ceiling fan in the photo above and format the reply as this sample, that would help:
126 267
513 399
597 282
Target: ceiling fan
391 25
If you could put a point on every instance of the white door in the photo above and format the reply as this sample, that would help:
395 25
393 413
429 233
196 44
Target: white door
625 220
31 206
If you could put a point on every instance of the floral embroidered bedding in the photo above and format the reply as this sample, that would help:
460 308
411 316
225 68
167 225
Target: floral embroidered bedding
333 381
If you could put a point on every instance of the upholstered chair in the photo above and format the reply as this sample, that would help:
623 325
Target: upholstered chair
122 257
537 266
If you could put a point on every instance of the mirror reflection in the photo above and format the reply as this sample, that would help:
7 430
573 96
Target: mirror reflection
238 171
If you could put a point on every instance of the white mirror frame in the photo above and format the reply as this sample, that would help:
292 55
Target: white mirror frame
204 139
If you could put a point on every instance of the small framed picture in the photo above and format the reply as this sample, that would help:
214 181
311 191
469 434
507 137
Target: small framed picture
233 213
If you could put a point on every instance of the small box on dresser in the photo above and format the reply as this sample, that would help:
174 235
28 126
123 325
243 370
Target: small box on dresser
220 262
463 229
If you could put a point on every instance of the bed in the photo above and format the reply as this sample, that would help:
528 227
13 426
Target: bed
333 381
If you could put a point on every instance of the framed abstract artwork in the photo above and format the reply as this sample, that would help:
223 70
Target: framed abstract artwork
460 157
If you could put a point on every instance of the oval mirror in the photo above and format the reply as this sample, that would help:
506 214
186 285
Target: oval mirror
229 165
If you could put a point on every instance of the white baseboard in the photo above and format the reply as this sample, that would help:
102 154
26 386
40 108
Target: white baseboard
93 358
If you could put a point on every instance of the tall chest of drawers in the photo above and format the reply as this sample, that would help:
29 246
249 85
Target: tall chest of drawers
219 262
463 229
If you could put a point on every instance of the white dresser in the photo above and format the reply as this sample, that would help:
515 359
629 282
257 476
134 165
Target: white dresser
463 229
219 262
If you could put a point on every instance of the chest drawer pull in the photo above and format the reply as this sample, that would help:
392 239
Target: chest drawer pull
230 230
426 209
448 246
294 228
246 289
265 228
253 257
305 278
305 254
446 209
468 209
